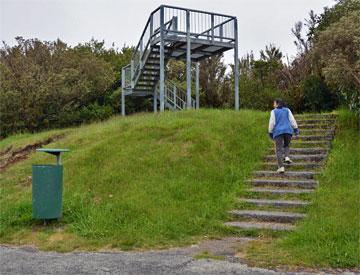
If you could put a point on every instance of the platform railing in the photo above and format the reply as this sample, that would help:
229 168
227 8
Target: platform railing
202 24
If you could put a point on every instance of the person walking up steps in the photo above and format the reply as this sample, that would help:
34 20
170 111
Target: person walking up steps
282 124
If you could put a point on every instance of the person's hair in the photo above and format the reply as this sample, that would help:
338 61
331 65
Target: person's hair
279 102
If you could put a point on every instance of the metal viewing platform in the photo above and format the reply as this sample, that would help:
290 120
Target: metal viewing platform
182 34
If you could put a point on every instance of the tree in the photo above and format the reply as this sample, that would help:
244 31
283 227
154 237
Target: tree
48 84
338 50
215 82
271 53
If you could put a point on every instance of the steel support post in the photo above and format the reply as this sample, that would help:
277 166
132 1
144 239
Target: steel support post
236 66
188 61
197 97
141 54
122 92
132 74
162 61
155 100
212 28
151 27
174 94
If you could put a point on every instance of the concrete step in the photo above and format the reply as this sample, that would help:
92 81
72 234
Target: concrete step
313 137
280 191
316 126
286 175
268 216
306 151
261 225
297 143
315 116
295 158
304 184
276 203
305 132
296 165
315 121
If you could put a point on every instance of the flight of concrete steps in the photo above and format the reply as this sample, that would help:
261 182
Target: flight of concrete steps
276 201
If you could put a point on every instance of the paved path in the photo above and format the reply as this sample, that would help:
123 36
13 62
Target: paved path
29 261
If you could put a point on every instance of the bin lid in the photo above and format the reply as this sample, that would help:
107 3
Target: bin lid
52 151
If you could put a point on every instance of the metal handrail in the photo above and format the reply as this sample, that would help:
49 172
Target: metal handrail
182 92
215 27
197 11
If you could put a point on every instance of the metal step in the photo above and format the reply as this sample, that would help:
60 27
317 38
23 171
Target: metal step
280 191
150 73
261 225
268 216
304 184
149 69
144 86
152 62
276 203
147 82
148 78
152 66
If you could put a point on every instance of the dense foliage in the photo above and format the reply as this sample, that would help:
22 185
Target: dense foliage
325 72
49 84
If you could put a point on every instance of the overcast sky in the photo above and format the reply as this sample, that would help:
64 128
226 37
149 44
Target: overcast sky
121 21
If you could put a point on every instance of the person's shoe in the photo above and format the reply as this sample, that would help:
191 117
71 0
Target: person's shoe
281 170
288 160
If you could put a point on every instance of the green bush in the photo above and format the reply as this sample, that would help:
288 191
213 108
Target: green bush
317 96
49 84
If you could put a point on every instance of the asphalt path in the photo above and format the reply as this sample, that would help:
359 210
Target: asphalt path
30 261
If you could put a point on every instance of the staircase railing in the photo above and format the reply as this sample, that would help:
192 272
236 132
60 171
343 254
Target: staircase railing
175 97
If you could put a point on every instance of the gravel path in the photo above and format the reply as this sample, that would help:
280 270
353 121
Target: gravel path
30 261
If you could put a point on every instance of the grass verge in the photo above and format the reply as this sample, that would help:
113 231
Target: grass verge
138 182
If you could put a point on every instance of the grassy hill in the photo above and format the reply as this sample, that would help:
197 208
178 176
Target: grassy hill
141 181
151 181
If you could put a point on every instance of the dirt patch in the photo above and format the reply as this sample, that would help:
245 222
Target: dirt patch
9 157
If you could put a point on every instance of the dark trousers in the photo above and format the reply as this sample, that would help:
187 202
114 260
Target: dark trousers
282 148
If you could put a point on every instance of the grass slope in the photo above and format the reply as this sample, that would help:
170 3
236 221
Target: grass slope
141 181
330 235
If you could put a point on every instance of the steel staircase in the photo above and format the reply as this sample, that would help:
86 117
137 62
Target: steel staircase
174 29
147 75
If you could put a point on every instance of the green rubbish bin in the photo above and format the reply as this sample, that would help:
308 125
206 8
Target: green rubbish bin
47 185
